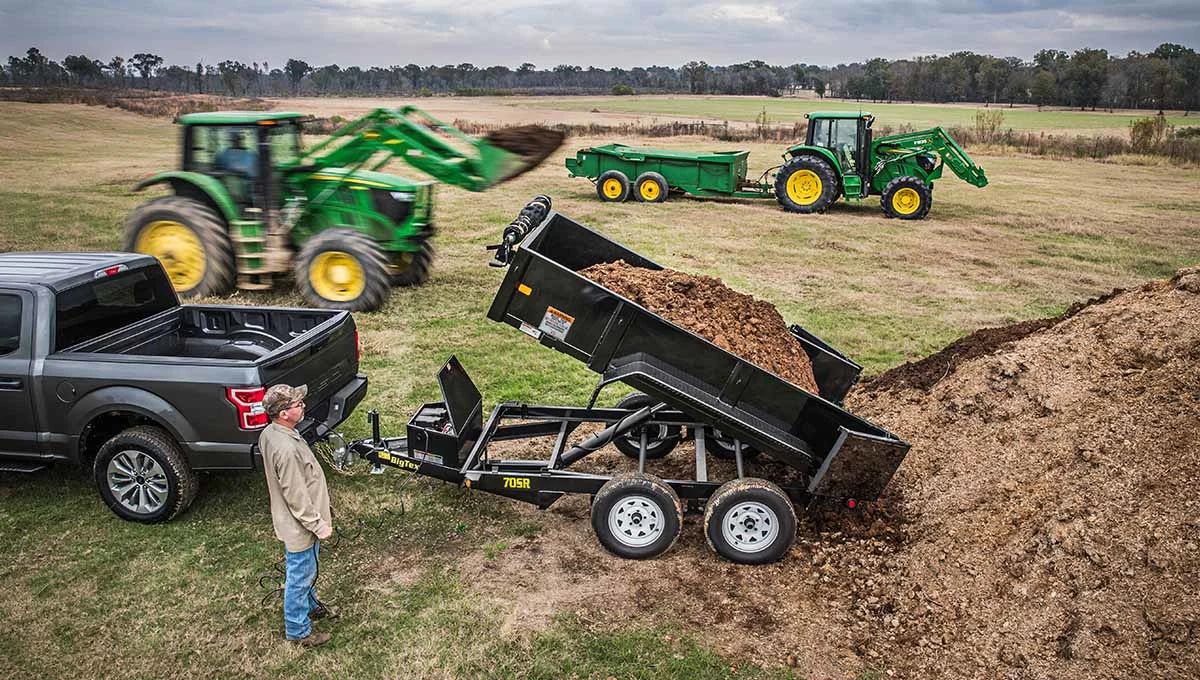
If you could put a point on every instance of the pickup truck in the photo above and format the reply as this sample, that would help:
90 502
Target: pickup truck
101 366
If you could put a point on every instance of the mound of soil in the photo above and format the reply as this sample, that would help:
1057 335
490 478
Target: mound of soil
738 323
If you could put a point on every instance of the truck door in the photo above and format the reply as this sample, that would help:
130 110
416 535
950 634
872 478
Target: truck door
18 430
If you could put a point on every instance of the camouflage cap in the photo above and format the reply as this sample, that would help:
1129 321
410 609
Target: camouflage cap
279 397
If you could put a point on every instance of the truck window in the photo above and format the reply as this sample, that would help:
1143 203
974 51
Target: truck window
10 324
98 307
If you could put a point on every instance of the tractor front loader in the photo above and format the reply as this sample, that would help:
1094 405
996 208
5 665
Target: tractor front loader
250 205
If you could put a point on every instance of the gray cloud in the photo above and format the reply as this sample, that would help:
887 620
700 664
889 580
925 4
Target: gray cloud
611 33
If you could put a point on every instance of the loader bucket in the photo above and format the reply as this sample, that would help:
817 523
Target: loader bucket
511 152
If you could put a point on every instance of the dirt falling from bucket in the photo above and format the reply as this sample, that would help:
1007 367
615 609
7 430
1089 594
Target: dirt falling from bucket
750 328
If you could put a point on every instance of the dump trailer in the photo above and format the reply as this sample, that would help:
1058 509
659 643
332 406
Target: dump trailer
688 388
839 159
250 205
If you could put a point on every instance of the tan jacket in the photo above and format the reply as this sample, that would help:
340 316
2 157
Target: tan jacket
296 482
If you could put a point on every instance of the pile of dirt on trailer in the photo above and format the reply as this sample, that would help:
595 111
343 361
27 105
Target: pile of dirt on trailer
738 323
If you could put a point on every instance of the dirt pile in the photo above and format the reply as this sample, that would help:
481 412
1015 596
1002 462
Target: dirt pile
533 143
748 327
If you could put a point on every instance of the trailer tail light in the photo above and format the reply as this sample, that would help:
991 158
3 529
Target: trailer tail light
851 503
248 402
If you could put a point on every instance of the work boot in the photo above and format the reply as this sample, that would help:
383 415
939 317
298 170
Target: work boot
323 612
313 639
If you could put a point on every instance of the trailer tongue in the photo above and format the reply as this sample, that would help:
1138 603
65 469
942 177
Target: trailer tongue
691 389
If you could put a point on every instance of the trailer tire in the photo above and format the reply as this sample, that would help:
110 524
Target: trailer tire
411 268
637 516
806 184
144 466
660 441
612 187
342 269
651 187
190 241
906 198
750 521
722 447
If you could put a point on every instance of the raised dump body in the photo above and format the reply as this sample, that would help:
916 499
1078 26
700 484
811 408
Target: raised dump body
622 171
544 296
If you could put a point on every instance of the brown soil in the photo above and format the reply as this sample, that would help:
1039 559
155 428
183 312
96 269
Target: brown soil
748 327
533 143
1045 524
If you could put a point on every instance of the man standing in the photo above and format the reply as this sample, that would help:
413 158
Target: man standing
299 510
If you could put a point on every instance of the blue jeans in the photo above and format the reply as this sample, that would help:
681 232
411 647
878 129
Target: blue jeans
299 595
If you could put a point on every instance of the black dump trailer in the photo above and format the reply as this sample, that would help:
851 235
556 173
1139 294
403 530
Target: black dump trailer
687 388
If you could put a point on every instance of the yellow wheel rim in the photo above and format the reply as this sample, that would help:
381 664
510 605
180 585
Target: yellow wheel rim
611 188
337 276
649 190
804 187
178 248
906 201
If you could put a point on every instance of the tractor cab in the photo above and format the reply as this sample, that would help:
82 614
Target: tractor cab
242 149
847 136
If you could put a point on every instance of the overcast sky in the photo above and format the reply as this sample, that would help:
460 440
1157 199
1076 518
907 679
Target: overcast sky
600 33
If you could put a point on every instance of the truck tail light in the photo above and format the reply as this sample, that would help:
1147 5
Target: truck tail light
248 402
357 347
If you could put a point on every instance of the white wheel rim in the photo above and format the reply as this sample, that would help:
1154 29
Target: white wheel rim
636 521
137 481
750 527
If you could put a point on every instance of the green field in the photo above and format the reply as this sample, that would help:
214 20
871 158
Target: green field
787 110
88 595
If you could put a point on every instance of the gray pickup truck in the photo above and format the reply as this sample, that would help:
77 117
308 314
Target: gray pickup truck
101 366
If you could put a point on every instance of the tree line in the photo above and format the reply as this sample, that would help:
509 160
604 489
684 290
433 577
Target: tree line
1166 78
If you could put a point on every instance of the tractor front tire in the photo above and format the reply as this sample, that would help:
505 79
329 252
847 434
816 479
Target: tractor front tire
651 187
806 184
342 269
906 198
412 268
189 239
612 187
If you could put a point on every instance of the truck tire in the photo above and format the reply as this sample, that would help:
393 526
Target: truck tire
651 187
143 476
342 269
750 521
906 198
411 268
189 239
806 184
637 516
612 187
660 440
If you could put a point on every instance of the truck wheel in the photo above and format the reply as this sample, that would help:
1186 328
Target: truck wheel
907 198
637 516
612 187
750 521
190 241
342 269
143 476
660 439
651 187
411 268
806 184
722 447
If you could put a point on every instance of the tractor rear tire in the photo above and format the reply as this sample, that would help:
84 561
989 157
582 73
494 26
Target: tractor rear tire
342 269
651 187
906 198
806 184
750 521
412 268
637 516
189 239
660 439
612 187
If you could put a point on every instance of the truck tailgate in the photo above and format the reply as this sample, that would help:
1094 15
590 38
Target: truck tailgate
324 358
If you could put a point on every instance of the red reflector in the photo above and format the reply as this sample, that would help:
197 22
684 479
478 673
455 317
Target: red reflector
357 348
248 402
851 504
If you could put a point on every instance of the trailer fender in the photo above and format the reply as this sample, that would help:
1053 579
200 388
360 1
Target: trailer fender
198 186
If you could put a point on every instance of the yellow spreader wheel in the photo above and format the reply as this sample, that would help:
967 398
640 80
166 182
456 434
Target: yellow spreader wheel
178 248
612 188
906 201
804 187
649 191
337 276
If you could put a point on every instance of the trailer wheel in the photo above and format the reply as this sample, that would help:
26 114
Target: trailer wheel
190 241
660 439
651 187
342 269
143 477
722 447
806 184
750 521
637 516
907 198
612 187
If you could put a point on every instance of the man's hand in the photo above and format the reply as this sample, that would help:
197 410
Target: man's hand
325 533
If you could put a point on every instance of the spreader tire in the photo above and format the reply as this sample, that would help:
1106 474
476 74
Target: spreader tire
750 521
190 241
906 198
612 187
637 516
342 269
651 187
660 439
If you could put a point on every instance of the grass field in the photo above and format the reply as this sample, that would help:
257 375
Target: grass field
90 596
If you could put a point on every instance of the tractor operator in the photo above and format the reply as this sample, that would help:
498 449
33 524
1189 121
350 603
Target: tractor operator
300 511
238 159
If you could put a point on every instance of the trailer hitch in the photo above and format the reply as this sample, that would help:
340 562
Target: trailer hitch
530 216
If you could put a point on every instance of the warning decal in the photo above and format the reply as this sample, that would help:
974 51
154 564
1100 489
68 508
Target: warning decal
556 324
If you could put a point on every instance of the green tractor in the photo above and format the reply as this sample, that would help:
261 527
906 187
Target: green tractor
839 158
250 205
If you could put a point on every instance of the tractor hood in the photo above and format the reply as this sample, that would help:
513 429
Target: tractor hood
368 179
